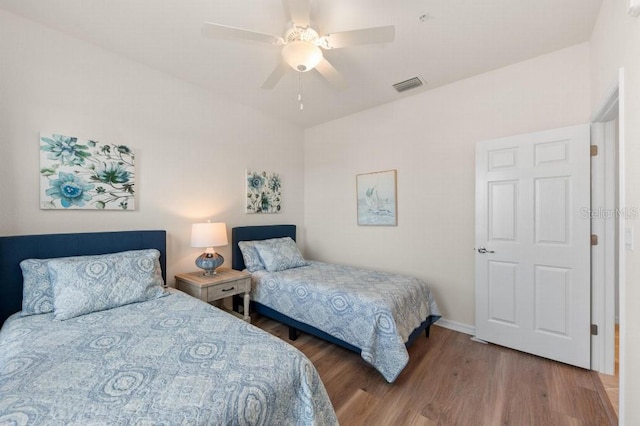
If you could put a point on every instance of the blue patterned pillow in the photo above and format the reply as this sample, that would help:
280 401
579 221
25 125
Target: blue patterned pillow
37 294
88 284
279 254
250 255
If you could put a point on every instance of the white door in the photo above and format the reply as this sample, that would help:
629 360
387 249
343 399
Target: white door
533 243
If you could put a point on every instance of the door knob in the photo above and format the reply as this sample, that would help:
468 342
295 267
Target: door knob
484 250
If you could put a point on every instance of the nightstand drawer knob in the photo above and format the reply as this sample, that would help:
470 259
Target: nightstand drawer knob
228 289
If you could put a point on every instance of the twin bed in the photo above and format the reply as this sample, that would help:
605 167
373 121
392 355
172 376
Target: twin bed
375 314
98 340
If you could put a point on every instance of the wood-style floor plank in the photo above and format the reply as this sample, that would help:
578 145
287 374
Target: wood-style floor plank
364 409
451 380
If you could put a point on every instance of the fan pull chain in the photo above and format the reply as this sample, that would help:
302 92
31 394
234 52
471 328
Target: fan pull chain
300 91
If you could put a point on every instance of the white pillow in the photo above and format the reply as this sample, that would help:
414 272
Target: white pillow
86 284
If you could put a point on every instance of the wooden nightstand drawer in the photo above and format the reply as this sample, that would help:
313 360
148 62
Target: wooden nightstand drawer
218 291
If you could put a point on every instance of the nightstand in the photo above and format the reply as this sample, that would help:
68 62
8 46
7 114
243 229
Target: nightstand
225 283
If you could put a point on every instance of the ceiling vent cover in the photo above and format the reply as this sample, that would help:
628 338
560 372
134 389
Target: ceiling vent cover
412 83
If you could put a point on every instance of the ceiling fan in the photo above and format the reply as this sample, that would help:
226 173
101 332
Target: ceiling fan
302 46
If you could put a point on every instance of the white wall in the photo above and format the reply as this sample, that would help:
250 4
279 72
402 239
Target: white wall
430 139
615 44
192 148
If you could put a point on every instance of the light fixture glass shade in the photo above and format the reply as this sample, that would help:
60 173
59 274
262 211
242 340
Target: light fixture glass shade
301 55
209 235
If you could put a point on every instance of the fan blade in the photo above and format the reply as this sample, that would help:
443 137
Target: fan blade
275 76
209 29
331 74
355 37
298 11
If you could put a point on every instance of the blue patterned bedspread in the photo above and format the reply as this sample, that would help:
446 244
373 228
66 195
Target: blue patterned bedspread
173 360
374 311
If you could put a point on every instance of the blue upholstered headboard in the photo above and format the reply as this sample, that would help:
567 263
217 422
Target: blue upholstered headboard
251 233
15 249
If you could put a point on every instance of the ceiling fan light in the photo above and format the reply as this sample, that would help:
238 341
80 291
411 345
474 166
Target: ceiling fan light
302 56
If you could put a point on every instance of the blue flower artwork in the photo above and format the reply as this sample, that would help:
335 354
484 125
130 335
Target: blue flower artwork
85 174
264 192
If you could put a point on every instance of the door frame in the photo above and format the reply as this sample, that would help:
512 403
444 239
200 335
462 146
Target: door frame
603 302
604 220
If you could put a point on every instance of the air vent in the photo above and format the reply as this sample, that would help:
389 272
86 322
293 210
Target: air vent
412 83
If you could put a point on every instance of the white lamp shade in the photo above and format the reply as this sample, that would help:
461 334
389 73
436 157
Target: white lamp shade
209 234
301 55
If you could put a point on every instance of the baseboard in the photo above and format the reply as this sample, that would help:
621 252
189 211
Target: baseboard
456 326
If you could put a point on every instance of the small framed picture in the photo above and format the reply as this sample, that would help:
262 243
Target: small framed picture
264 192
377 201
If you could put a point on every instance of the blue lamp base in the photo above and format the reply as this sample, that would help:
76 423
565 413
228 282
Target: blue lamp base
209 262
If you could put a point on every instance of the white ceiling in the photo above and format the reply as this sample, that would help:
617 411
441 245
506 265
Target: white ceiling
460 38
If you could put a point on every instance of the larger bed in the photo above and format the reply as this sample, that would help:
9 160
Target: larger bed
375 314
170 359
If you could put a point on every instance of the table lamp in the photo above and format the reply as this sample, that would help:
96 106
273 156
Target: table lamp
209 235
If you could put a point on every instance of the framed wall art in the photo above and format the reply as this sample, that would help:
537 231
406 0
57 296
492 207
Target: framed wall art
377 200
85 174
264 192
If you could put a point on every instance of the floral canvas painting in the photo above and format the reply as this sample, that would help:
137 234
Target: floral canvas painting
377 202
85 174
264 192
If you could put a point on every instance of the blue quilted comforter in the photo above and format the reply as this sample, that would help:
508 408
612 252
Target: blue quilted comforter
173 360
374 311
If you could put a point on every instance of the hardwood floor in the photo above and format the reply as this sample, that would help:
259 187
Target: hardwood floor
451 380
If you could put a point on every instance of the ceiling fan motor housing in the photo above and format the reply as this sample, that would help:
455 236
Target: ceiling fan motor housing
301 33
